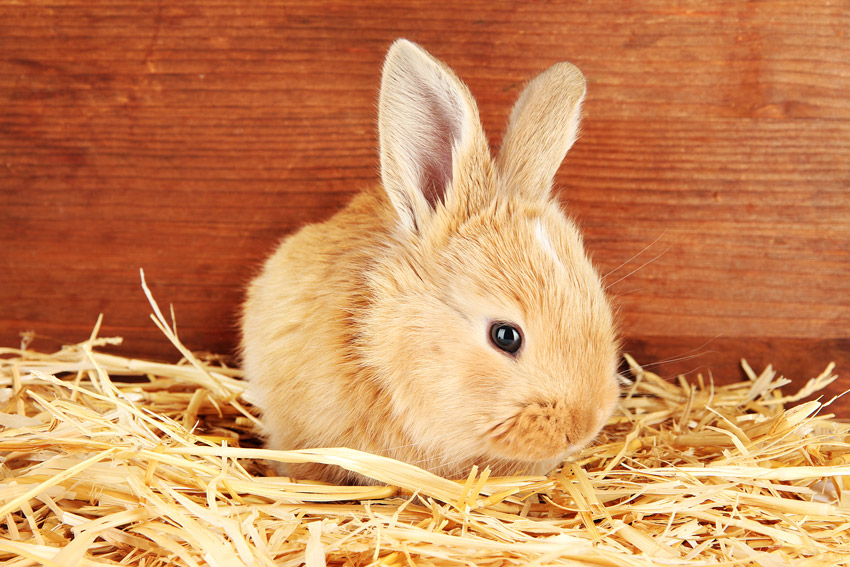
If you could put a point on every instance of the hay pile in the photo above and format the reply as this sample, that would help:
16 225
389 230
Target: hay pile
108 460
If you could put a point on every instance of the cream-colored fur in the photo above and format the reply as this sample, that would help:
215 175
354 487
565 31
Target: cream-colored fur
371 330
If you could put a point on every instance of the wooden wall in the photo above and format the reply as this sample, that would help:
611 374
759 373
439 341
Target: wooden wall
712 179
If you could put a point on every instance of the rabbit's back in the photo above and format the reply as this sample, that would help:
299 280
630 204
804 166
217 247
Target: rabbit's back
298 344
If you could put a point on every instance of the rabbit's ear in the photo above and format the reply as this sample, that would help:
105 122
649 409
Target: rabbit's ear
542 127
427 125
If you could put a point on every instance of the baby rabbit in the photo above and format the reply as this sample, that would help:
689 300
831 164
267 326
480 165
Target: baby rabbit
450 316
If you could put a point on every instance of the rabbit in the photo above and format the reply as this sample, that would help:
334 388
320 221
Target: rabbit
449 317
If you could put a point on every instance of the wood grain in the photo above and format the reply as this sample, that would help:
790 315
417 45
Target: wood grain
712 178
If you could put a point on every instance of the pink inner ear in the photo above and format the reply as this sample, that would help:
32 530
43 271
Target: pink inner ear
441 132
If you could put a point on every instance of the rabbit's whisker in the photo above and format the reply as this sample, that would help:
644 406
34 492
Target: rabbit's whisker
687 355
642 266
644 249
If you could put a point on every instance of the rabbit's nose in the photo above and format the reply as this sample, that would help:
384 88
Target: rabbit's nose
582 424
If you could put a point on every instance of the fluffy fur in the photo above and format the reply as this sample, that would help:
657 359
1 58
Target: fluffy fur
371 330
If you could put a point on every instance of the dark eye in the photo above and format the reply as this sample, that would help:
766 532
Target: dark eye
506 337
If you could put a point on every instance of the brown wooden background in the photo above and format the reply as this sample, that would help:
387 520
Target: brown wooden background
186 138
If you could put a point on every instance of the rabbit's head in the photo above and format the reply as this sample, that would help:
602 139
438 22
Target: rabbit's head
489 328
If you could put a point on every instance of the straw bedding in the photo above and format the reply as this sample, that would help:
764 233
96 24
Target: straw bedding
108 460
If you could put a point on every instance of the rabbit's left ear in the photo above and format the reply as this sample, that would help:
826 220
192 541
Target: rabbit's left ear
429 133
542 128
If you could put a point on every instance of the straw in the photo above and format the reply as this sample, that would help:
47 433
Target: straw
109 460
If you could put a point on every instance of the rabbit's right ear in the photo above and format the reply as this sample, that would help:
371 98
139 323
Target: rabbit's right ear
427 125
542 128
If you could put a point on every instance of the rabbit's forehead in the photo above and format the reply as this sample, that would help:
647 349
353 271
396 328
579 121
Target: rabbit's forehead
544 241
532 262
529 243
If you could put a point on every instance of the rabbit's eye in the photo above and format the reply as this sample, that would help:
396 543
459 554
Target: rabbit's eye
506 337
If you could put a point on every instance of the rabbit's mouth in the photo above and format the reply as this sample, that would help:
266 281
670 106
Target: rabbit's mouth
543 430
